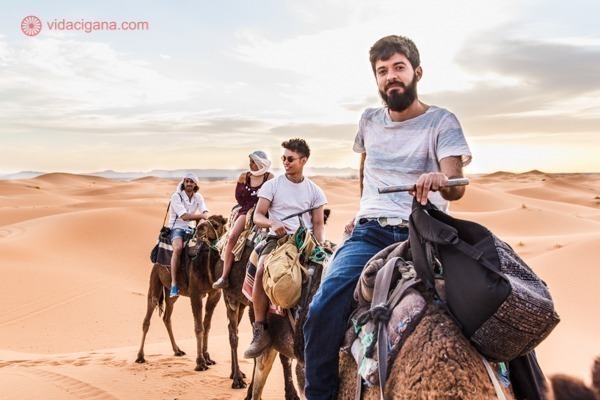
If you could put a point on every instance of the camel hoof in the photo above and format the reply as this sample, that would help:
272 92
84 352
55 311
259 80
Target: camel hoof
208 359
239 384
200 368
243 375
140 360
179 353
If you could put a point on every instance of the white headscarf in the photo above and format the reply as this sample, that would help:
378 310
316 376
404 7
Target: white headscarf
189 175
261 161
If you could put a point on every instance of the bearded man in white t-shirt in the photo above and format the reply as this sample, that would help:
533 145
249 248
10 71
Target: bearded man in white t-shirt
279 197
406 141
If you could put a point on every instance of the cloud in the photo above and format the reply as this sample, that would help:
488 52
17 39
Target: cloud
554 68
525 86
58 76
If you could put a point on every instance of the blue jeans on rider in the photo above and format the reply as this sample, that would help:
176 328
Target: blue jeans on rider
332 304
183 234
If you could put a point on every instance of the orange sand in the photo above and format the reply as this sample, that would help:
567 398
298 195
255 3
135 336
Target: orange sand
74 254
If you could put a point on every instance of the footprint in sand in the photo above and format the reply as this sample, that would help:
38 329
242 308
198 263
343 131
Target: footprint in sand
75 387
13 231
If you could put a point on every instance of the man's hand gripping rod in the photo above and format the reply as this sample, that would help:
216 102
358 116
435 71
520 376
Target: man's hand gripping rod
408 187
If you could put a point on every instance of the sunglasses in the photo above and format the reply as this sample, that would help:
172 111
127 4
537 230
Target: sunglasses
289 159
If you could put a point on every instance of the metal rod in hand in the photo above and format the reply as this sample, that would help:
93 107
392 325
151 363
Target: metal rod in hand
299 213
408 187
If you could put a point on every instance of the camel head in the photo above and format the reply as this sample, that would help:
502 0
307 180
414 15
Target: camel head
212 229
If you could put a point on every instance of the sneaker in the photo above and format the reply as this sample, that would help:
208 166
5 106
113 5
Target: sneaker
260 340
174 291
221 283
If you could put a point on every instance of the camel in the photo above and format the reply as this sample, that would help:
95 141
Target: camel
287 340
436 362
195 282
235 304
568 388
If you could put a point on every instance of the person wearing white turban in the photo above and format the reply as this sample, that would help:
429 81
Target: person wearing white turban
246 194
261 162
187 206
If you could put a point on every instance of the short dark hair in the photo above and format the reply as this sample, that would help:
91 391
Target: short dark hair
297 145
387 46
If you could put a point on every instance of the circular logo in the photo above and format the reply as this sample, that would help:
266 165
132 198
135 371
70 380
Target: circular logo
31 25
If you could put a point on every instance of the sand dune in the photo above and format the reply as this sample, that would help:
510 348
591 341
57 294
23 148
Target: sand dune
74 254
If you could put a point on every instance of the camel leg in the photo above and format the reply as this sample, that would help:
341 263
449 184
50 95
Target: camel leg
169 304
301 378
290 389
251 386
234 317
263 366
211 303
155 297
197 310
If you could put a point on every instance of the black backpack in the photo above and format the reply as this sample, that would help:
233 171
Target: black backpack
496 299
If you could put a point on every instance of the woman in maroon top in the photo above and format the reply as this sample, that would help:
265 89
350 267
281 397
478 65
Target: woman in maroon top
246 194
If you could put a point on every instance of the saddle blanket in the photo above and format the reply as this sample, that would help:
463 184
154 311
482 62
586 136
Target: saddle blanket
164 251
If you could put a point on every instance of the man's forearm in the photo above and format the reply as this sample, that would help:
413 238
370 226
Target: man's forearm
262 221
319 233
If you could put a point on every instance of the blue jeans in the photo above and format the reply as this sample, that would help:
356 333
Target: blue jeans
332 304
183 234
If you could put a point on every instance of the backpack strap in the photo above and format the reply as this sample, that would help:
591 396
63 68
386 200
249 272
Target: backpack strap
381 308
430 228
494 379
381 296
176 216
166 213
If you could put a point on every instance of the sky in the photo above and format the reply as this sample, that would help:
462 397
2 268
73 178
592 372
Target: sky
208 82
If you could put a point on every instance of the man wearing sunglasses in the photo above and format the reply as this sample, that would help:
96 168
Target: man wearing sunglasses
405 142
286 194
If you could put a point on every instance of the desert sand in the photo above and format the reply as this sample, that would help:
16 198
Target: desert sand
74 257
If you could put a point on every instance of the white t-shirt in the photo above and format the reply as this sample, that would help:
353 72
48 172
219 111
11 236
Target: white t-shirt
399 152
181 204
287 198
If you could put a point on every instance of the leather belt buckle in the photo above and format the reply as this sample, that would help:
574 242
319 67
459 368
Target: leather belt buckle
392 221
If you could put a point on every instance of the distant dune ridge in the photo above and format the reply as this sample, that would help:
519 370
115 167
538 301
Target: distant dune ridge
208 174
74 257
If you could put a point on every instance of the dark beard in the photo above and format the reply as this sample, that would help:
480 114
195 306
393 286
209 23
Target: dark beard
399 102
